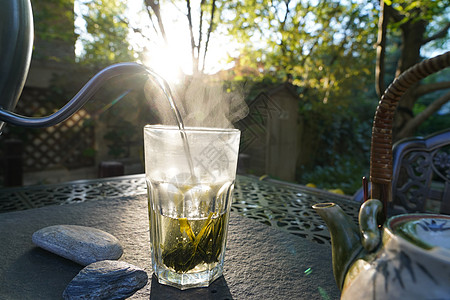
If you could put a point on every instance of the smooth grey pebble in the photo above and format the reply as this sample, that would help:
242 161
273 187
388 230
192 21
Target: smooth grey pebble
83 245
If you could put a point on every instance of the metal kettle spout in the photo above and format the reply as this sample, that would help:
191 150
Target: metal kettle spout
88 90
86 93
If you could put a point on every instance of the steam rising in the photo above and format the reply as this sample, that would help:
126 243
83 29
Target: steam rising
201 102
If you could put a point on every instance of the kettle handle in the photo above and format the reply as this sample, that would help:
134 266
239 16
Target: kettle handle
369 225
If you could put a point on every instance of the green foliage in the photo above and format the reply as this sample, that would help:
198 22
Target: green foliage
439 120
343 138
434 124
414 10
53 20
346 174
54 36
119 138
106 41
435 15
326 47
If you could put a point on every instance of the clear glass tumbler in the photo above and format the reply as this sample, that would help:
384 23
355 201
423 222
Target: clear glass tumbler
190 180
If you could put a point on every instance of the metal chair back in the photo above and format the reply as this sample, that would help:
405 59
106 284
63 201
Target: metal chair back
421 174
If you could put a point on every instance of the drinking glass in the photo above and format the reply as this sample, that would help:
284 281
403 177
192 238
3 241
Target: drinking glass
190 178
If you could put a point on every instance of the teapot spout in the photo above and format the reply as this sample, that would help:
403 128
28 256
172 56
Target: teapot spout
345 239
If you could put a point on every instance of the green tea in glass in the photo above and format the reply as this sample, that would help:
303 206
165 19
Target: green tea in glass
190 179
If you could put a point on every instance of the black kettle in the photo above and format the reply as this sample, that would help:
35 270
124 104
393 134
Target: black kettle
16 43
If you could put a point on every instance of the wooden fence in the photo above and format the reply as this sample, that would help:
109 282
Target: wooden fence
69 144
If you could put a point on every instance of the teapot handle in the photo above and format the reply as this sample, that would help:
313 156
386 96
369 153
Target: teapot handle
369 225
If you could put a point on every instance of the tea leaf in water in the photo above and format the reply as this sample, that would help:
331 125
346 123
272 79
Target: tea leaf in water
185 227
205 247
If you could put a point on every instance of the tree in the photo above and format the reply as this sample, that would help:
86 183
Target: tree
325 47
106 38
201 19
419 23
54 36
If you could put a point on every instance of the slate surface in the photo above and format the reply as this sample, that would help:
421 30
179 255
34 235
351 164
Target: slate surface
261 262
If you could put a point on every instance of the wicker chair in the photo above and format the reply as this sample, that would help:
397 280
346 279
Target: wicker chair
381 156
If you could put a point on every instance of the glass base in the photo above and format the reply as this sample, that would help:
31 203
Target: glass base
184 281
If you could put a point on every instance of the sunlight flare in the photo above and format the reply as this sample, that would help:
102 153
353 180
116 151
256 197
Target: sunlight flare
168 62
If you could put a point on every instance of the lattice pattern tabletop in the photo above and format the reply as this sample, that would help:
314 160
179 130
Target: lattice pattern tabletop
275 203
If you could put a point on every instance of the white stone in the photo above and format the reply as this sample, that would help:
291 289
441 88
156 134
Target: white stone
84 245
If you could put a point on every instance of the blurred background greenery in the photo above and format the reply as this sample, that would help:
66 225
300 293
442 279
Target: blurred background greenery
339 56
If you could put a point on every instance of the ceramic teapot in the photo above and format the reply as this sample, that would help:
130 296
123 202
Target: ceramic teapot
407 258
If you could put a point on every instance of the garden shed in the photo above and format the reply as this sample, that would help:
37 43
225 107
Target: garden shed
269 142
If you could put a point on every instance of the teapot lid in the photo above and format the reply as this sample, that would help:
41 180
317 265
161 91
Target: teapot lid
424 230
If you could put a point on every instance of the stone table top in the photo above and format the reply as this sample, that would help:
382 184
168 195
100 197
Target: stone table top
261 262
